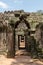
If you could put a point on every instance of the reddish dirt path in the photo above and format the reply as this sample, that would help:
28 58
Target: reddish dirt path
19 60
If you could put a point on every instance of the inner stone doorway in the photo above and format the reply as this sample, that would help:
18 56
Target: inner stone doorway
21 41
21 46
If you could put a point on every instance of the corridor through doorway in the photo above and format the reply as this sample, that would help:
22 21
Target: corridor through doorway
21 42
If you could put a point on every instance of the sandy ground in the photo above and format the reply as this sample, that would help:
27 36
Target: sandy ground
19 60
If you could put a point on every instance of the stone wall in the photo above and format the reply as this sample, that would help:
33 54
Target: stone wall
2 42
39 35
39 39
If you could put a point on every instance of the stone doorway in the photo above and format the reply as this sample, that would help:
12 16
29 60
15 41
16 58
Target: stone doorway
21 46
21 42
21 30
16 37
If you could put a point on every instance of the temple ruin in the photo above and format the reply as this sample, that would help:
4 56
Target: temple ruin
16 27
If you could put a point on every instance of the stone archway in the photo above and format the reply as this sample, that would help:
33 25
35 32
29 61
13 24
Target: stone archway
20 31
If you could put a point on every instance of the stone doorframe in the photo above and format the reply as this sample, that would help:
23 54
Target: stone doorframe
21 41
19 31
12 47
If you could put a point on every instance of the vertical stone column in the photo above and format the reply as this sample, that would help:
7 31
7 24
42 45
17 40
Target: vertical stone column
16 41
27 40
10 45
